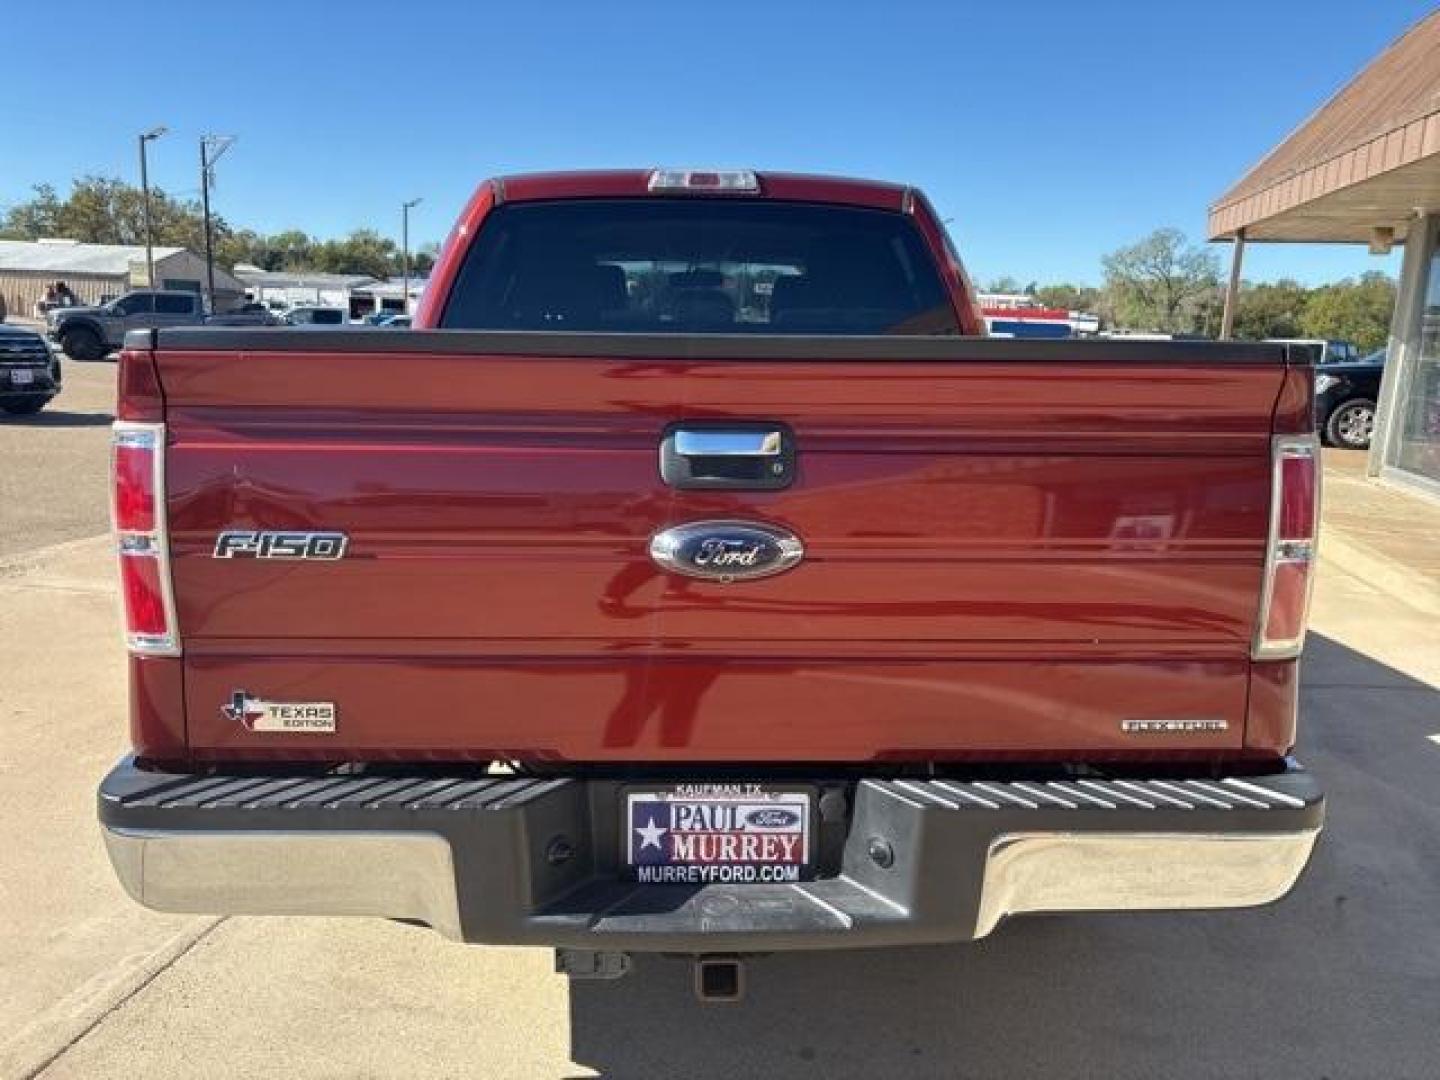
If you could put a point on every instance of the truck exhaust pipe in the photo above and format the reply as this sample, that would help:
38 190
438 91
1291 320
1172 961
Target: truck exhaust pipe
719 979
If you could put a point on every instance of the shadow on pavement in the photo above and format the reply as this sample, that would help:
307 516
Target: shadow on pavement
59 418
1340 979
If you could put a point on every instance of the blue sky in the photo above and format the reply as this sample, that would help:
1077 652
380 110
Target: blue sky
1048 133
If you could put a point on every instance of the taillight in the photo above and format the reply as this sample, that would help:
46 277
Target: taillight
138 511
1290 552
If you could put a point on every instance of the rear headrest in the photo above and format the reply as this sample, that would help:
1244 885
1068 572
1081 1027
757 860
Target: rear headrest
576 290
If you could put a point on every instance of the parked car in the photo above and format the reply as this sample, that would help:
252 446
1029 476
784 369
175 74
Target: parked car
92 333
1345 397
380 318
631 614
29 371
397 322
245 315
312 315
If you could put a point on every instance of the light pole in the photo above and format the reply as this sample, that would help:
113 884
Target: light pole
146 137
211 147
405 254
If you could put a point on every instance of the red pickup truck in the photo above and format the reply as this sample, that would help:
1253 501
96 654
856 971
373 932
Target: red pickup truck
699 578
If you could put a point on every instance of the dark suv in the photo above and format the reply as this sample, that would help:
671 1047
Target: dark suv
29 371
1345 396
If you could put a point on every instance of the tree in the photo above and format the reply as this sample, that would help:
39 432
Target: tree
34 219
1069 297
103 210
1005 284
1164 283
423 261
245 246
1357 311
1270 310
292 250
364 251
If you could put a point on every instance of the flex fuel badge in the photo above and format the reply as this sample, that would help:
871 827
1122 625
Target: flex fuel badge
314 717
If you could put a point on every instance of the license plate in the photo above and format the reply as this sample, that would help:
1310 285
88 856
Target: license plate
21 377
698 834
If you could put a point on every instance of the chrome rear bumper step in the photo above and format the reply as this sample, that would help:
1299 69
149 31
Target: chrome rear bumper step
534 861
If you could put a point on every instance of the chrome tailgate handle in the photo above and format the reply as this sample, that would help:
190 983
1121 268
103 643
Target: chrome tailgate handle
728 442
735 455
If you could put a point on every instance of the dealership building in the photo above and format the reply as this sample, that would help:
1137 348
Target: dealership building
1365 169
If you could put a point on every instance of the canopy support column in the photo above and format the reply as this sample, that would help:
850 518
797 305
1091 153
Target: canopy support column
1232 290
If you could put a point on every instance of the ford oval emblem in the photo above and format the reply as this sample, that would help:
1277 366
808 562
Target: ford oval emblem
726 550
772 817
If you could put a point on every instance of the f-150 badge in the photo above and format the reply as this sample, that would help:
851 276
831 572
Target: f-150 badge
314 717
235 543
726 550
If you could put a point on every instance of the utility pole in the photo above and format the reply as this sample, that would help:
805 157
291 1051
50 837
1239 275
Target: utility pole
211 149
145 139
405 254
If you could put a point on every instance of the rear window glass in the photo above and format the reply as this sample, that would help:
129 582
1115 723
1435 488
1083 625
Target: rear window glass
699 266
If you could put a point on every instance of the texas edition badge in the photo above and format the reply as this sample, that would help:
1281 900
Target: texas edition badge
315 717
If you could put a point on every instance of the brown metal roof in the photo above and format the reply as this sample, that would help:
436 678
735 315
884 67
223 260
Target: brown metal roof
1386 120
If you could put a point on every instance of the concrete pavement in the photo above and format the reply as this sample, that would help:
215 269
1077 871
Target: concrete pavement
1339 980
67 946
53 465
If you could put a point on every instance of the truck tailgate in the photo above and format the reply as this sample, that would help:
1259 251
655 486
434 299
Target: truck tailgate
1008 551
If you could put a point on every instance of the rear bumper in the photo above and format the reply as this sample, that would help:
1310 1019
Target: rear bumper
533 862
